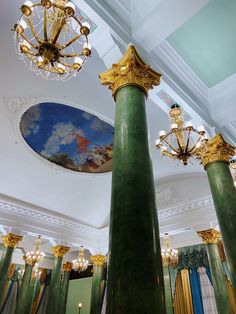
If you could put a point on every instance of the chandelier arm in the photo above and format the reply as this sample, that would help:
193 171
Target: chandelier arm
177 138
28 41
77 20
58 31
70 55
186 146
52 70
171 147
35 54
45 25
70 42
192 150
36 36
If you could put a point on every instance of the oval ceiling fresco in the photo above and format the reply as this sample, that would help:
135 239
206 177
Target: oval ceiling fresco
69 137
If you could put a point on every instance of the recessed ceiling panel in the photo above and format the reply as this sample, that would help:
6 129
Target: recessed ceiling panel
69 137
207 41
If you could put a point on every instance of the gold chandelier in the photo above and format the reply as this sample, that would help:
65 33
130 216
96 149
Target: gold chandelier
183 140
51 39
169 256
80 264
36 256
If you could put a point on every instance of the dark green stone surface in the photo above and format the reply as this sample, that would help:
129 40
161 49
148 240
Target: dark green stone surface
64 292
135 277
168 295
218 280
54 287
23 301
4 268
96 295
224 197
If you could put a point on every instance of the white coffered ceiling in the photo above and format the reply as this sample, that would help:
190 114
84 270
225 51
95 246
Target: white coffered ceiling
39 197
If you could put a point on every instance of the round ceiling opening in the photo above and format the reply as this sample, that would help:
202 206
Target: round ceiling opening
69 137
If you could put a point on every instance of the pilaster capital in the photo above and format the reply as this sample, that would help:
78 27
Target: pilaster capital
60 250
215 149
11 240
98 260
130 70
209 236
67 266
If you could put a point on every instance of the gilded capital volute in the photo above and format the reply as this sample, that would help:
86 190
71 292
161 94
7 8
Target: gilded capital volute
209 236
67 266
60 250
11 240
215 149
130 70
98 260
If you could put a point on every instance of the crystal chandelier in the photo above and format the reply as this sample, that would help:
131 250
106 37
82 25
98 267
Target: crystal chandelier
233 167
35 256
183 140
169 256
81 263
51 38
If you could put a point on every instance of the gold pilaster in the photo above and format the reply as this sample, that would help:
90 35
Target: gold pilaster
215 149
60 250
11 240
130 70
98 260
67 266
209 236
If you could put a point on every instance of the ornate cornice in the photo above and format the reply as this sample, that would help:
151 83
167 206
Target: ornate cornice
11 240
215 149
209 236
98 260
130 70
60 250
67 266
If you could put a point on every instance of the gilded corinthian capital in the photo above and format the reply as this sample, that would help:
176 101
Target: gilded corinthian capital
67 266
60 250
11 240
209 236
98 260
215 149
130 70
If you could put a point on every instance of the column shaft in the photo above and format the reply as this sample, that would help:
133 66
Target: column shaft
168 293
224 197
64 292
135 278
54 286
23 301
4 268
218 279
96 295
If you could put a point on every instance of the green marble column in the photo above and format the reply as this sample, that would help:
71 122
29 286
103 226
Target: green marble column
9 241
54 287
67 267
135 276
96 295
210 238
168 293
215 158
24 296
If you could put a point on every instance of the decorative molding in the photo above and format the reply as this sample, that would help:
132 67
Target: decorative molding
185 208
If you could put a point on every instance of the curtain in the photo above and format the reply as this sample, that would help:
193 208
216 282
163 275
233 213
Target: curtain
196 291
208 297
179 300
187 290
231 296
9 305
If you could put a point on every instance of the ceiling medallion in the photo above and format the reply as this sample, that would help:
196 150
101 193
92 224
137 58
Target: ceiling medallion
51 38
183 141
